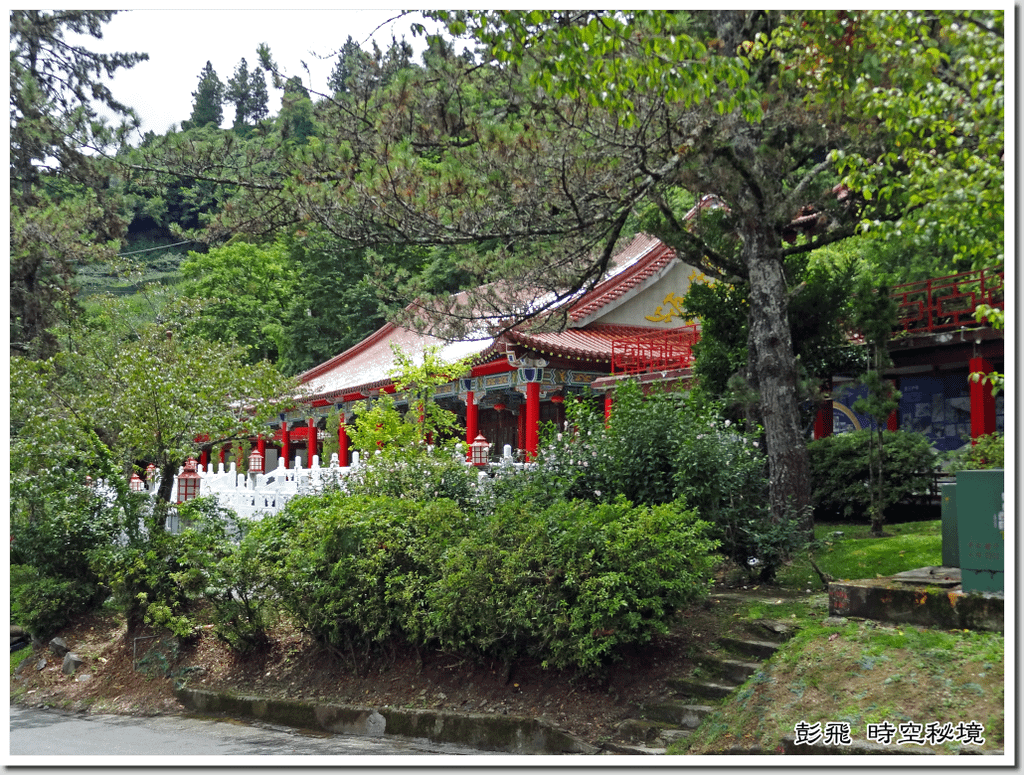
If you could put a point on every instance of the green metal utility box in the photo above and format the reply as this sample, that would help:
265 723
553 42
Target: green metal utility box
950 542
979 518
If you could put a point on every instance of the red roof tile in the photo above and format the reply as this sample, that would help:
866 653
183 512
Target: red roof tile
640 260
594 342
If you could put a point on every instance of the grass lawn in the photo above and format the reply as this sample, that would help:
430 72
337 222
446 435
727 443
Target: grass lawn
855 671
849 552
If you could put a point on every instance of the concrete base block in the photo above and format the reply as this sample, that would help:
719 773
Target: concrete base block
903 602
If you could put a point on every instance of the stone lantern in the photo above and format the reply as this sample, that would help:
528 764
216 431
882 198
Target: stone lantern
255 462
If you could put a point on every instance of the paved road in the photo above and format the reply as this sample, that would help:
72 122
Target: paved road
36 732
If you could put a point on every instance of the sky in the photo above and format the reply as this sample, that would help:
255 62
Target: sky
180 42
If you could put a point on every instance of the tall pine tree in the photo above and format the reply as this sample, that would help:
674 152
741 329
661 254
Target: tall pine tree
207 100
248 93
63 213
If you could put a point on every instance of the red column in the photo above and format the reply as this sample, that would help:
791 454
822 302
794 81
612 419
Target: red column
894 417
471 422
261 447
342 443
311 448
522 427
204 459
893 423
607 406
823 419
532 419
983 403
286 446
221 452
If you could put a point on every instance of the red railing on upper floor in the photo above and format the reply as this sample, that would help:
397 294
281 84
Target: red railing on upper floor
944 303
656 351
928 306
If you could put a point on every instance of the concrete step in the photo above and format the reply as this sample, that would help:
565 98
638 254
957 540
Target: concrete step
677 712
700 689
759 649
612 748
775 629
658 734
735 670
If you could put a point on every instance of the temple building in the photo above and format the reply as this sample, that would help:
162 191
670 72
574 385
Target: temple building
631 326
629 323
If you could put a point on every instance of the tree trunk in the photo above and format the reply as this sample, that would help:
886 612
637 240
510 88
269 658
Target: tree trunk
164 496
776 376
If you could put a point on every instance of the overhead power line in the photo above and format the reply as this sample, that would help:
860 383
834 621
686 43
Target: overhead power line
161 247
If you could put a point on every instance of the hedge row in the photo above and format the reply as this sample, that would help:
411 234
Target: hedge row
568 584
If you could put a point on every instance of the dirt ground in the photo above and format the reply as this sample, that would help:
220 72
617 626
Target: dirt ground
138 677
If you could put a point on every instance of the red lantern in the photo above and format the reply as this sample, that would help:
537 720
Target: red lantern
256 462
557 398
136 484
479 451
188 482
498 407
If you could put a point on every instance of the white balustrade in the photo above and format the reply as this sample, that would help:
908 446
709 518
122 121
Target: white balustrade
258 495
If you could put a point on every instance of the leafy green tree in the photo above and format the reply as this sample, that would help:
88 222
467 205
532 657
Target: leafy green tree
208 99
995 318
181 206
246 291
141 393
575 119
63 213
419 382
926 90
380 426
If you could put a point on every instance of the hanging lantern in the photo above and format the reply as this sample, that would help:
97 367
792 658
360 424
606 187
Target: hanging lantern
255 462
136 484
480 451
498 407
188 482
557 398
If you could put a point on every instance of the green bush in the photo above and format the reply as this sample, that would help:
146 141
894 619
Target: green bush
840 475
140 576
45 604
52 538
982 452
56 533
348 567
660 448
414 473
567 584
219 561
720 470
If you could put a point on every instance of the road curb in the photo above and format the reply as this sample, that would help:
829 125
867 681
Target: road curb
507 734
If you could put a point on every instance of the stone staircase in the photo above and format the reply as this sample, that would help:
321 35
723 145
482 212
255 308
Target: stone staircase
716 675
